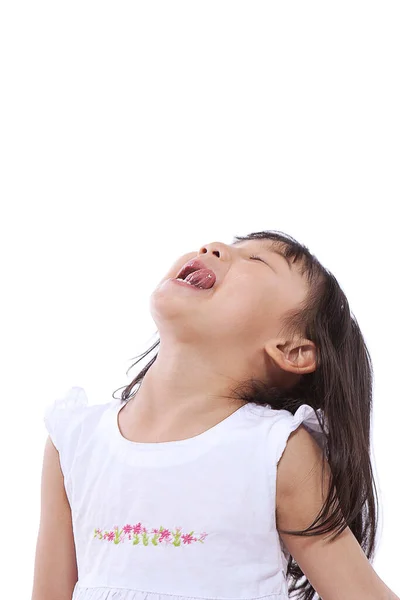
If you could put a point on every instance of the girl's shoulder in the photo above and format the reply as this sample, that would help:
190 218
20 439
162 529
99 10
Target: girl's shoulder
282 422
69 413
304 414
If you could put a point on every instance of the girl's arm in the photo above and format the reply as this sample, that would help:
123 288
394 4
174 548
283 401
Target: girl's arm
55 572
337 570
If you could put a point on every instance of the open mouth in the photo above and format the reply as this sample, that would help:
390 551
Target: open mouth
196 273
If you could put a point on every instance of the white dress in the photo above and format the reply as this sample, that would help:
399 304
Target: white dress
188 519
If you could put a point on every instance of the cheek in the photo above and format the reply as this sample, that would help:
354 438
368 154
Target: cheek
246 308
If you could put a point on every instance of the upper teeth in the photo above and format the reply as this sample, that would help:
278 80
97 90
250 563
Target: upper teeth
186 271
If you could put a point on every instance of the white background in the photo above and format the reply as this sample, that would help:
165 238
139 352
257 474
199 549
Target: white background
134 132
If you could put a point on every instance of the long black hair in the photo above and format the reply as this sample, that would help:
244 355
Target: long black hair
341 386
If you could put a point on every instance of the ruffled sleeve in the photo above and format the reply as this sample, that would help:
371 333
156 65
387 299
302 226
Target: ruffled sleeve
304 415
61 418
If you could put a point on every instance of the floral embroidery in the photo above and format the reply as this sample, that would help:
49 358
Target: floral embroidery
139 534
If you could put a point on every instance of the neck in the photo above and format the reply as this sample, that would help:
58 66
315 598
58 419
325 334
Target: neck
184 382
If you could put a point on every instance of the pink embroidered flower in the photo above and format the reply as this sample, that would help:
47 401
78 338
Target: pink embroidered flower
187 538
137 528
127 528
165 535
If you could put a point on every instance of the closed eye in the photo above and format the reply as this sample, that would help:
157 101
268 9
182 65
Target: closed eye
258 258
261 260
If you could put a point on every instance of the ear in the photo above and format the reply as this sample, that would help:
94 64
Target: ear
296 356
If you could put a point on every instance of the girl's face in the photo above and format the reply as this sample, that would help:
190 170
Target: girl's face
255 287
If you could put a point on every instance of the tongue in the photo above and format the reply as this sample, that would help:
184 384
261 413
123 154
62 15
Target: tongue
203 278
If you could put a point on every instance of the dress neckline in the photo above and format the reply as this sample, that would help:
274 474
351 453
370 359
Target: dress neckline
205 436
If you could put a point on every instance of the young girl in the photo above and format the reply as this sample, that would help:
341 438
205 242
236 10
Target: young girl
239 467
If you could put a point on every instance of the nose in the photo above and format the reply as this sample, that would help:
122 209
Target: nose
218 249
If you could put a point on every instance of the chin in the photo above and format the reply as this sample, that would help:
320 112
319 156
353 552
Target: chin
164 304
